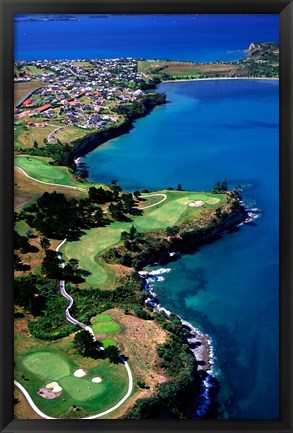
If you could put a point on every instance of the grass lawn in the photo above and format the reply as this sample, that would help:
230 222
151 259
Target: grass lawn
182 70
80 389
38 368
102 318
27 191
70 133
39 168
105 328
104 324
172 211
26 137
46 365
108 342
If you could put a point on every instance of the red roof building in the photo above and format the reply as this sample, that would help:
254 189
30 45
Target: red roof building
27 101
44 108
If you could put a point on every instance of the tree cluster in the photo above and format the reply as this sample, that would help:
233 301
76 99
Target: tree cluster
87 346
56 217
220 187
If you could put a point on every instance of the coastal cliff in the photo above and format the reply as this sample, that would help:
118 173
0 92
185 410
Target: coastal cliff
93 140
189 236
136 111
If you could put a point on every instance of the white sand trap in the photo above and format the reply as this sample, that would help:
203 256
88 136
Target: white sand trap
96 380
79 373
54 386
196 203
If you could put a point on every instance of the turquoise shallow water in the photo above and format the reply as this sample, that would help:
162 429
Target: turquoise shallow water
229 289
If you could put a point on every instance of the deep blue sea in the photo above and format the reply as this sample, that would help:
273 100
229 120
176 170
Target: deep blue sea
207 130
202 38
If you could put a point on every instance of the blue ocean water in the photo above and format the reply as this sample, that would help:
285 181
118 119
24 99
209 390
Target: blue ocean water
202 37
208 130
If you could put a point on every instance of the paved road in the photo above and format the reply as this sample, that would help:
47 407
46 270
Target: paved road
51 137
65 294
155 204
83 189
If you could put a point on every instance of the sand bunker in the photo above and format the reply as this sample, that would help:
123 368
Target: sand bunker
79 373
48 393
196 203
54 386
96 379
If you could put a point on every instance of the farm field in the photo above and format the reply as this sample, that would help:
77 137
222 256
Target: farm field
182 69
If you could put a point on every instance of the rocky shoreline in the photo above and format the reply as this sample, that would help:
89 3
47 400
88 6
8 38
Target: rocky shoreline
200 344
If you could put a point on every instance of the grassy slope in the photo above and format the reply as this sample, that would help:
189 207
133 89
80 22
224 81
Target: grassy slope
39 168
172 211
27 191
22 88
25 136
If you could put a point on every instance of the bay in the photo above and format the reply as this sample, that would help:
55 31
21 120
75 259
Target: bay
229 289
208 130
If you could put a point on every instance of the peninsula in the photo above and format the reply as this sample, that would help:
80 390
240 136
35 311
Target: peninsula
81 248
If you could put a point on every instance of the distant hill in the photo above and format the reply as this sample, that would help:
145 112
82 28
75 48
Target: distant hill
261 60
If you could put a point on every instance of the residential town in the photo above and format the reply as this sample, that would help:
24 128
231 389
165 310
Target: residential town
83 94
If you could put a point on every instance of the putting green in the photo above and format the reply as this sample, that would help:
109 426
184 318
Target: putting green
102 318
213 200
36 370
81 389
47 365
108 342
105 328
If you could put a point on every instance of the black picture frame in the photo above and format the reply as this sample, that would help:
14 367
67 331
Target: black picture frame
285 10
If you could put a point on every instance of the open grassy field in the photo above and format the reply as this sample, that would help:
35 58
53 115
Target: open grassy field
22 88
172 211
26 191
39 168
103 318
70 133
26 136
179 70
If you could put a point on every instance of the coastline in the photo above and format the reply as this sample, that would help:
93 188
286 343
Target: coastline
93 140
178 80
200 343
